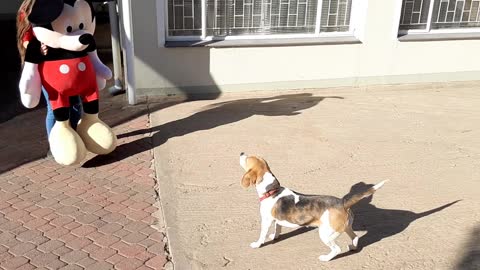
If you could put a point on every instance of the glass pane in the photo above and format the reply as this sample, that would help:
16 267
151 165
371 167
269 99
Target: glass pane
260 17
257 17
184 18
335 15
414 14
448 14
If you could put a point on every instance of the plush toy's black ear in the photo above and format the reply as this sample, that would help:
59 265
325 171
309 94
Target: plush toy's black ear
45 11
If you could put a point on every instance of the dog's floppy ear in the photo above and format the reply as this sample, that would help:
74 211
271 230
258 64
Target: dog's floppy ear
249 178
45 11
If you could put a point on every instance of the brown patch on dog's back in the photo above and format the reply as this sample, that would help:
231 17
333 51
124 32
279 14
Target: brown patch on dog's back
303 213
309 210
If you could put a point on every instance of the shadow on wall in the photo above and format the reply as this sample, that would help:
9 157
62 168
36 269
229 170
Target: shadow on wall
177 71
471 258
211 117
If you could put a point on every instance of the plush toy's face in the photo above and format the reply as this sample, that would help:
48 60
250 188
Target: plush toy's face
71 29
76 20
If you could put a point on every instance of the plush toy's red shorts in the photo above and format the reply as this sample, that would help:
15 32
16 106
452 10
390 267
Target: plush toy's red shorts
69 77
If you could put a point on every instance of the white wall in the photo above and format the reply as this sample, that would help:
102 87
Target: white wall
379 59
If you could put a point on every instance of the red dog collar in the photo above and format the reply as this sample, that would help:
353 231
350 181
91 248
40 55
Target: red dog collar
269 194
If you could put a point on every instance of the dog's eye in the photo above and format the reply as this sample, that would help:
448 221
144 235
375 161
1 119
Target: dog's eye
69 29
81 26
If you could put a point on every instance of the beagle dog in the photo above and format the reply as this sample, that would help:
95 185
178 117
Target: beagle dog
288 208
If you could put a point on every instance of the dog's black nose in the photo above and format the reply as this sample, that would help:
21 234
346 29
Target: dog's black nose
242 153
86 39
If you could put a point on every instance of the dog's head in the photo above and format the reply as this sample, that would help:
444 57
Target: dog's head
257 173
65 24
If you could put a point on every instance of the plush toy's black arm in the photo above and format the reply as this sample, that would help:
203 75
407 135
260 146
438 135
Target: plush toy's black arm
33 53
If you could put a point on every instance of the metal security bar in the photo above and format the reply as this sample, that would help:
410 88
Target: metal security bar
431 15
227 18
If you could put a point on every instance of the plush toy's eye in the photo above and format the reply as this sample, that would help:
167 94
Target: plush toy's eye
80 26
69 29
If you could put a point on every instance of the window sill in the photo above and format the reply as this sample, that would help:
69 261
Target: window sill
438 37
265 42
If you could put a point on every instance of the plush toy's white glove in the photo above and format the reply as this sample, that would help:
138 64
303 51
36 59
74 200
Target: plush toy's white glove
100 68
30 85
103 72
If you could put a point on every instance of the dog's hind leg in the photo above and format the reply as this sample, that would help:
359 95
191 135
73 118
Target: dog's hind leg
328 236
353 237
277 229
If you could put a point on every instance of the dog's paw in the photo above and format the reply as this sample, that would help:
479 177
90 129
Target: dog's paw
272 236
351 247
325 258
255 244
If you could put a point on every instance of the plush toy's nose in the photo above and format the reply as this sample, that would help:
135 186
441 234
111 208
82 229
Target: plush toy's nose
86 39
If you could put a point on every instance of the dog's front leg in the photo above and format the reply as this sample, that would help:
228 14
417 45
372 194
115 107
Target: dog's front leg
266 222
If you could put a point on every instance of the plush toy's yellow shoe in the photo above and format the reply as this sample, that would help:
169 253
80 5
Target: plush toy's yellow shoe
66 146
97 136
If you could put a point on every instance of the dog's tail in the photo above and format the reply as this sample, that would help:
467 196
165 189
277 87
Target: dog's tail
357 197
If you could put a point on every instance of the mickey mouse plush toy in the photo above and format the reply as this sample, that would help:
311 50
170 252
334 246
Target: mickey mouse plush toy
71 67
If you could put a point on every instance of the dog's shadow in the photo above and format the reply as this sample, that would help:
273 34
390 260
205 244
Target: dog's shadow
379 223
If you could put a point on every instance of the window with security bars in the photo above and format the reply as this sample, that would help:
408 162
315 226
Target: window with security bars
428 15
224 18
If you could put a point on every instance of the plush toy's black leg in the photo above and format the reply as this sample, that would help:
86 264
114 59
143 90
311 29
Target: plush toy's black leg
61 114
91 107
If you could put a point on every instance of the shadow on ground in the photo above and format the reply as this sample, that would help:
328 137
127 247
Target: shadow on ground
471 258
211 117
383 223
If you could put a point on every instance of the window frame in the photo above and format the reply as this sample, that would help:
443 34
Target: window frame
428 29
317 35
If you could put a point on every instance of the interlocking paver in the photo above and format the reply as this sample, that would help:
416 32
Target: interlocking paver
35 223
62 251
134 238
15 262
86 262
74 256
115 259
26 266
61 221
21 248
48 260
57 233
83 230
50 246
128 264
71 267
77 242
87 218
156 262
102 254
110 228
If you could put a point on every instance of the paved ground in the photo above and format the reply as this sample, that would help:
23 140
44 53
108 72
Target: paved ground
94 216
424 138
105 214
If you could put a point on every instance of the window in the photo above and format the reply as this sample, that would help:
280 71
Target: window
440 15
223 19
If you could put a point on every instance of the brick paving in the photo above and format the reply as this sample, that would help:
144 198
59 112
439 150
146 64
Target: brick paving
94 216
